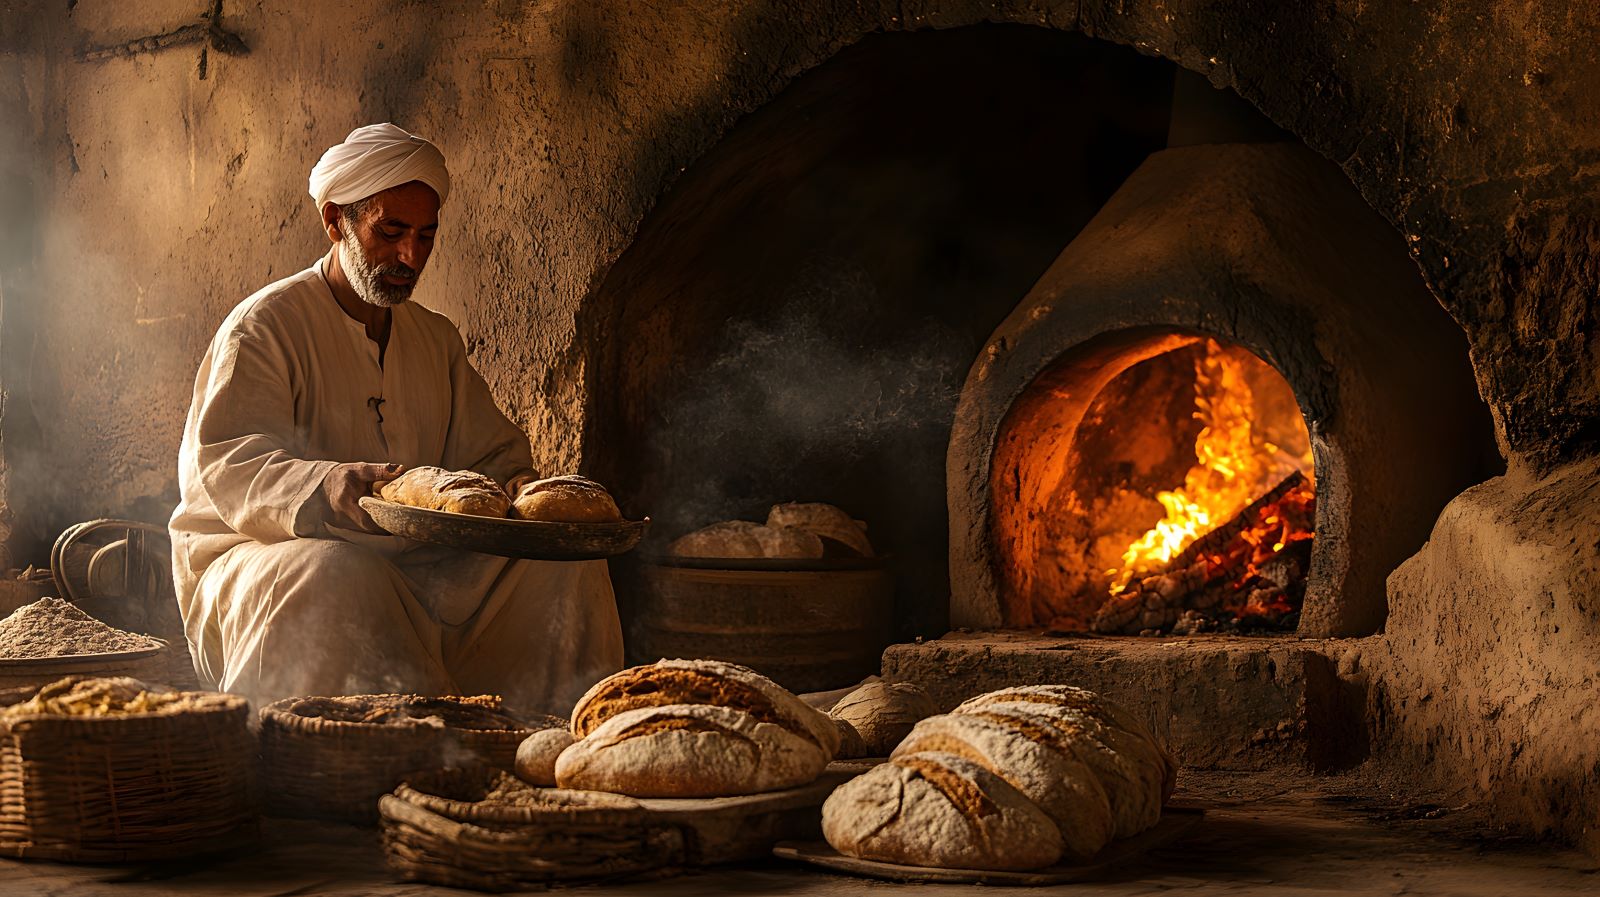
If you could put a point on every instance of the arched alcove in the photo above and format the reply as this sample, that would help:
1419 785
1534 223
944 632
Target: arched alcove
793 320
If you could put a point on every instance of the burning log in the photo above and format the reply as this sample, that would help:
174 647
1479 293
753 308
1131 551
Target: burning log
1259 556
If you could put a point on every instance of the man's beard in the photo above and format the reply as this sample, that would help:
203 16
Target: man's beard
367 278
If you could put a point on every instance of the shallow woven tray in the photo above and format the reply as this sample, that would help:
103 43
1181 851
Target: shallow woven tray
333 769
533 539
149 664
435 831
134 787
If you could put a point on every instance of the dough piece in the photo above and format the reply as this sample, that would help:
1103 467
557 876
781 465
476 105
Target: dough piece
562 500
937 809
458 491
788 542
728 539
536 756
703 682
827 522
1101 708
1031 761
689 750
884 712
1132 784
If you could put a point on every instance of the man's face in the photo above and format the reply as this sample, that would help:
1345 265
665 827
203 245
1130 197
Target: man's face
385 249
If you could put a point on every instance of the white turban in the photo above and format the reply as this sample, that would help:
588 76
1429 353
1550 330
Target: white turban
373 159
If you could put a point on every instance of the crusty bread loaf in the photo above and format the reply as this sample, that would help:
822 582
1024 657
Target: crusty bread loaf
565 499
536 756
703 682
689 750
826 521
937 809
458 491
1054 779
1132 783
1101 708
851 744
728 539
788 542
743 539
883 713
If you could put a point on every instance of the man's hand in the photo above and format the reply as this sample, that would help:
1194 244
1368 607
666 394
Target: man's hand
343 487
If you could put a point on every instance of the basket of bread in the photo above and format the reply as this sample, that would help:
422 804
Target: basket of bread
675 764
333 757
564 518
1034 782
117 770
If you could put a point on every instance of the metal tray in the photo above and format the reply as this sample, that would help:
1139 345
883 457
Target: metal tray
532 539
1175 822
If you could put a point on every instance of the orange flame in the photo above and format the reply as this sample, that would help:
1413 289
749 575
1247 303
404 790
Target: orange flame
1234 464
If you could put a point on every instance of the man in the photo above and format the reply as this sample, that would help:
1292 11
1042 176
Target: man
313 390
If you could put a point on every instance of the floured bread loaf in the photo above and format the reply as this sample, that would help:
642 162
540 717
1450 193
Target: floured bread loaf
827 522
456 491
851 745
536 756
883 713
743 539
728 539
1125 725
565 499
703 682
1035 761
938 809
689 750
1132 783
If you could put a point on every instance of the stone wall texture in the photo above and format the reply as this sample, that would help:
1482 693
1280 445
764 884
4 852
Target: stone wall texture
159 189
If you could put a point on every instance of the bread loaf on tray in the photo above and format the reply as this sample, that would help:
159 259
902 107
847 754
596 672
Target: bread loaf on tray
938 809
882 713
456 491
689 750
565 499
1090 767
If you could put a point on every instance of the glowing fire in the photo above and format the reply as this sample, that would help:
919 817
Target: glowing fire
1234 465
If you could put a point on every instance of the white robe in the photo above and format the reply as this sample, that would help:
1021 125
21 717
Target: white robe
276 602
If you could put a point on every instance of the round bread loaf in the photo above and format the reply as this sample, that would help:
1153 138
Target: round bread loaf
941 810
688 750
1101 708
788 542
826 521
728 539
1131 782
703 682
851 745
536 756
565 502
884 712
1054 779
455 491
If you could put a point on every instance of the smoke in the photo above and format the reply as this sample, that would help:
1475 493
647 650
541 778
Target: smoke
805 400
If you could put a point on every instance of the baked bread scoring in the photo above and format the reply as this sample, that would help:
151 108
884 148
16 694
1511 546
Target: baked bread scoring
703 682
565 499
1035 762
688 750
455 491
938 809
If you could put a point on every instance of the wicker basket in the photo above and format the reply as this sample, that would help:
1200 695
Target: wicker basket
335 769
122 788
435 830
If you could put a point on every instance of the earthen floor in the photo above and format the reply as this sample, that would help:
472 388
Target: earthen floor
1263 834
